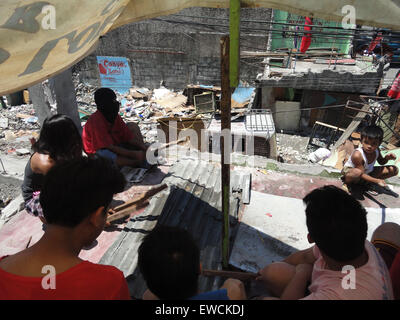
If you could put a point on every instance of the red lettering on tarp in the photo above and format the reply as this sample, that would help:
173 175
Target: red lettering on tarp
102 69
116 71
106 67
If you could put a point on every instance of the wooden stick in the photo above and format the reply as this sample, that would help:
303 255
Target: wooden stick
29 242
244 276
141 198
127 211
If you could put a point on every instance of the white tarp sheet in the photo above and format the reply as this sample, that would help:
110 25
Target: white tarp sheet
39 39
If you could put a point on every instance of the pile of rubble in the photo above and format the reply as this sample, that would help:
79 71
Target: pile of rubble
295 149
140 105
18 124
292 148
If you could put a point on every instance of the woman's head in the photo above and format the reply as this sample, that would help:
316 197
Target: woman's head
59 138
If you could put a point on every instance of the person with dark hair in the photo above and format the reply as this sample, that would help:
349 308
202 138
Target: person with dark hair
107 135
169 260
360 167
75 196
59 141
342 265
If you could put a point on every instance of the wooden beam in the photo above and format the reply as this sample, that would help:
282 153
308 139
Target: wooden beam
352 126
126 208
234 44
225 162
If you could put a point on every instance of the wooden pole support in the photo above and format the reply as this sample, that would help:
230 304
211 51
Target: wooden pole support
225 146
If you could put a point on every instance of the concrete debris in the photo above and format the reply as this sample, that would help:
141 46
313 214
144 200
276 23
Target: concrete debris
11 210
140 105
292 148
319 154
21 152
9 135
10 188
19 124
3 123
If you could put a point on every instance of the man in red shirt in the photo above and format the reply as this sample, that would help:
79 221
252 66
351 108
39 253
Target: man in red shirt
74 198
107 135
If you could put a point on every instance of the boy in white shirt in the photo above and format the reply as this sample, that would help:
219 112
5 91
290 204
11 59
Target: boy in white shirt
360 165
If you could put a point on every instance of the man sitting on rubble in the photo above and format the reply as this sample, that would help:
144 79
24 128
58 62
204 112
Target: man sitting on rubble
74 198
107 135
342 265
169 261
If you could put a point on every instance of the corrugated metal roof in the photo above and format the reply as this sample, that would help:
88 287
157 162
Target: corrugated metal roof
192 202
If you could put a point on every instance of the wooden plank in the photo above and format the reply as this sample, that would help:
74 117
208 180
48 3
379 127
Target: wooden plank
126 208
352 126
127 211
328 125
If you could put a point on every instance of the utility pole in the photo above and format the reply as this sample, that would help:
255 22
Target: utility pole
229 81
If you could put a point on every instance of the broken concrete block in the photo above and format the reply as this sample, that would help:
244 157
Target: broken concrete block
11 210
9 135
3 123
21 152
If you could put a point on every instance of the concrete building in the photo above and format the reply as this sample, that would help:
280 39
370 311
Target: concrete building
181 49
314 85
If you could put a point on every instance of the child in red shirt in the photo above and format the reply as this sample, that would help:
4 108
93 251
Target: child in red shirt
74 198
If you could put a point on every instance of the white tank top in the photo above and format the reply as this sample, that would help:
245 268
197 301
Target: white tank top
367 166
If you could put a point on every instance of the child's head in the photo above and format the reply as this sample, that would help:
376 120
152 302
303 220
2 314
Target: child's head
371 137
107 103
75 190
336 222
169 260
59 138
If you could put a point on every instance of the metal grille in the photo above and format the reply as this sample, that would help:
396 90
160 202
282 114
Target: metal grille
260 120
